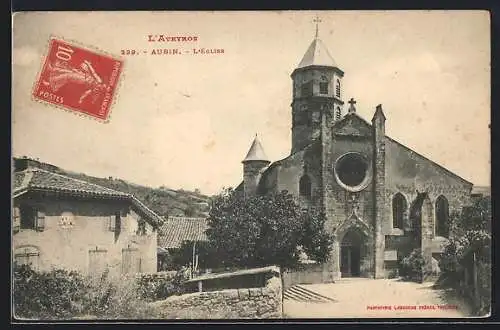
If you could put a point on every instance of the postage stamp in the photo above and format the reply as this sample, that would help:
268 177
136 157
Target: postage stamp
78 79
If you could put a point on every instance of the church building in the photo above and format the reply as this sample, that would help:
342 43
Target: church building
381 199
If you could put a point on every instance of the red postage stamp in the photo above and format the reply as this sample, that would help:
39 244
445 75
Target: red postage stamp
78 79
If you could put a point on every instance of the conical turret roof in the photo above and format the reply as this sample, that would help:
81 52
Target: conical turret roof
317 54
256 152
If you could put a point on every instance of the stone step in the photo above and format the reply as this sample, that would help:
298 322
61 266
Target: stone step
302 294
312 293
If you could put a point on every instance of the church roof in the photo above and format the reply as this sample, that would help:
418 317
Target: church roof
256 152
317 54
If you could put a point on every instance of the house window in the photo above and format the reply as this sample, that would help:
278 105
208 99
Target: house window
442 214
338 113
305 186
97 261
131 261
141 227
337 88
31 218
398 210
29 255
115 223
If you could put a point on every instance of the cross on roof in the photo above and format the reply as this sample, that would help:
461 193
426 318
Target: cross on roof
317 20
352 109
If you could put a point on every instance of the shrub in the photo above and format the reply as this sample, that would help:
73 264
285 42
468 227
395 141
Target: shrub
412 266
470 240
159 286
49 295
61 294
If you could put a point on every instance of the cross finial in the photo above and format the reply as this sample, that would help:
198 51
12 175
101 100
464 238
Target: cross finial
352 108
316 20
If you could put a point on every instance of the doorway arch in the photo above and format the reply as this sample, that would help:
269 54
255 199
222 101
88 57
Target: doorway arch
352 252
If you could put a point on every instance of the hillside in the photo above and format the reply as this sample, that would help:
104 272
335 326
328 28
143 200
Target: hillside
164 201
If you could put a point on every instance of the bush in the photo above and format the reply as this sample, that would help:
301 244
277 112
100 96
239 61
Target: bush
50 295
61 294
411 266
159 286
470 240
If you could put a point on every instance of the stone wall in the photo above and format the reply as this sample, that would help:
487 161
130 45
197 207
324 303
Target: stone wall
310 274
253 303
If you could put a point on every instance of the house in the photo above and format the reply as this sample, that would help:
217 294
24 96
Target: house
174 233
381 198
62 222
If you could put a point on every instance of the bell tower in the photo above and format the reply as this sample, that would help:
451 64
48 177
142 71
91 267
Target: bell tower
317 92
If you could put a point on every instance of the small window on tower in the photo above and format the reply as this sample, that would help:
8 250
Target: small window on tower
306 89
337 89
305 186
338 113
323 88
323 85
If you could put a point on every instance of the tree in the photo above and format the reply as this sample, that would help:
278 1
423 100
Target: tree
264 230
470 242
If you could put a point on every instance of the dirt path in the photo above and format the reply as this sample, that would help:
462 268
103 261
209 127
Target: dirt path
386 298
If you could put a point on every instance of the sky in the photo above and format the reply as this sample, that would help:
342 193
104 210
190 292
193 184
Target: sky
187 121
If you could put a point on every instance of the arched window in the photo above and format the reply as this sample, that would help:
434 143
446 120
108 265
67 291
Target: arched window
337 88
442 213
398 210
305 186
338 113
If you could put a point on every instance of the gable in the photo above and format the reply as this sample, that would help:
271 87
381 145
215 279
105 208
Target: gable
406 165
352 125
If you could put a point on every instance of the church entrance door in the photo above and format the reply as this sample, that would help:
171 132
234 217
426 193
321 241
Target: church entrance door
350 255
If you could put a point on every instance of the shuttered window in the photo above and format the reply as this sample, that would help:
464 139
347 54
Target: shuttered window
31 218
27 256
131 261
40 221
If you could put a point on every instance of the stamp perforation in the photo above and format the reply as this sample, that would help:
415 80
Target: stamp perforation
67 108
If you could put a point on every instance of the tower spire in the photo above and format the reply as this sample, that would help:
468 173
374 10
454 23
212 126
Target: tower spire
317 20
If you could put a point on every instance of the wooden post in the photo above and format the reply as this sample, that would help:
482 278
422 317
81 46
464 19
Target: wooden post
200 286
474 280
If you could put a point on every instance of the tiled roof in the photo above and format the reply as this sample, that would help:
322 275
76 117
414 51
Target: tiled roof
45 180
39 179
175 230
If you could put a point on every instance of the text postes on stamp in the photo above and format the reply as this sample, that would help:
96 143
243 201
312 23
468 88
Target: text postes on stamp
78 79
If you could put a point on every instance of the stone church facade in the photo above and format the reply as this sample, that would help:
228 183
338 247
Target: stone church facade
381 199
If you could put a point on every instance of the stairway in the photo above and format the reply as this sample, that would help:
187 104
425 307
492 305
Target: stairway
299 293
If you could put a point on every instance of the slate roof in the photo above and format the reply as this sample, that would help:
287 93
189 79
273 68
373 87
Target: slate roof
36 179
256 152
175 230
317 54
